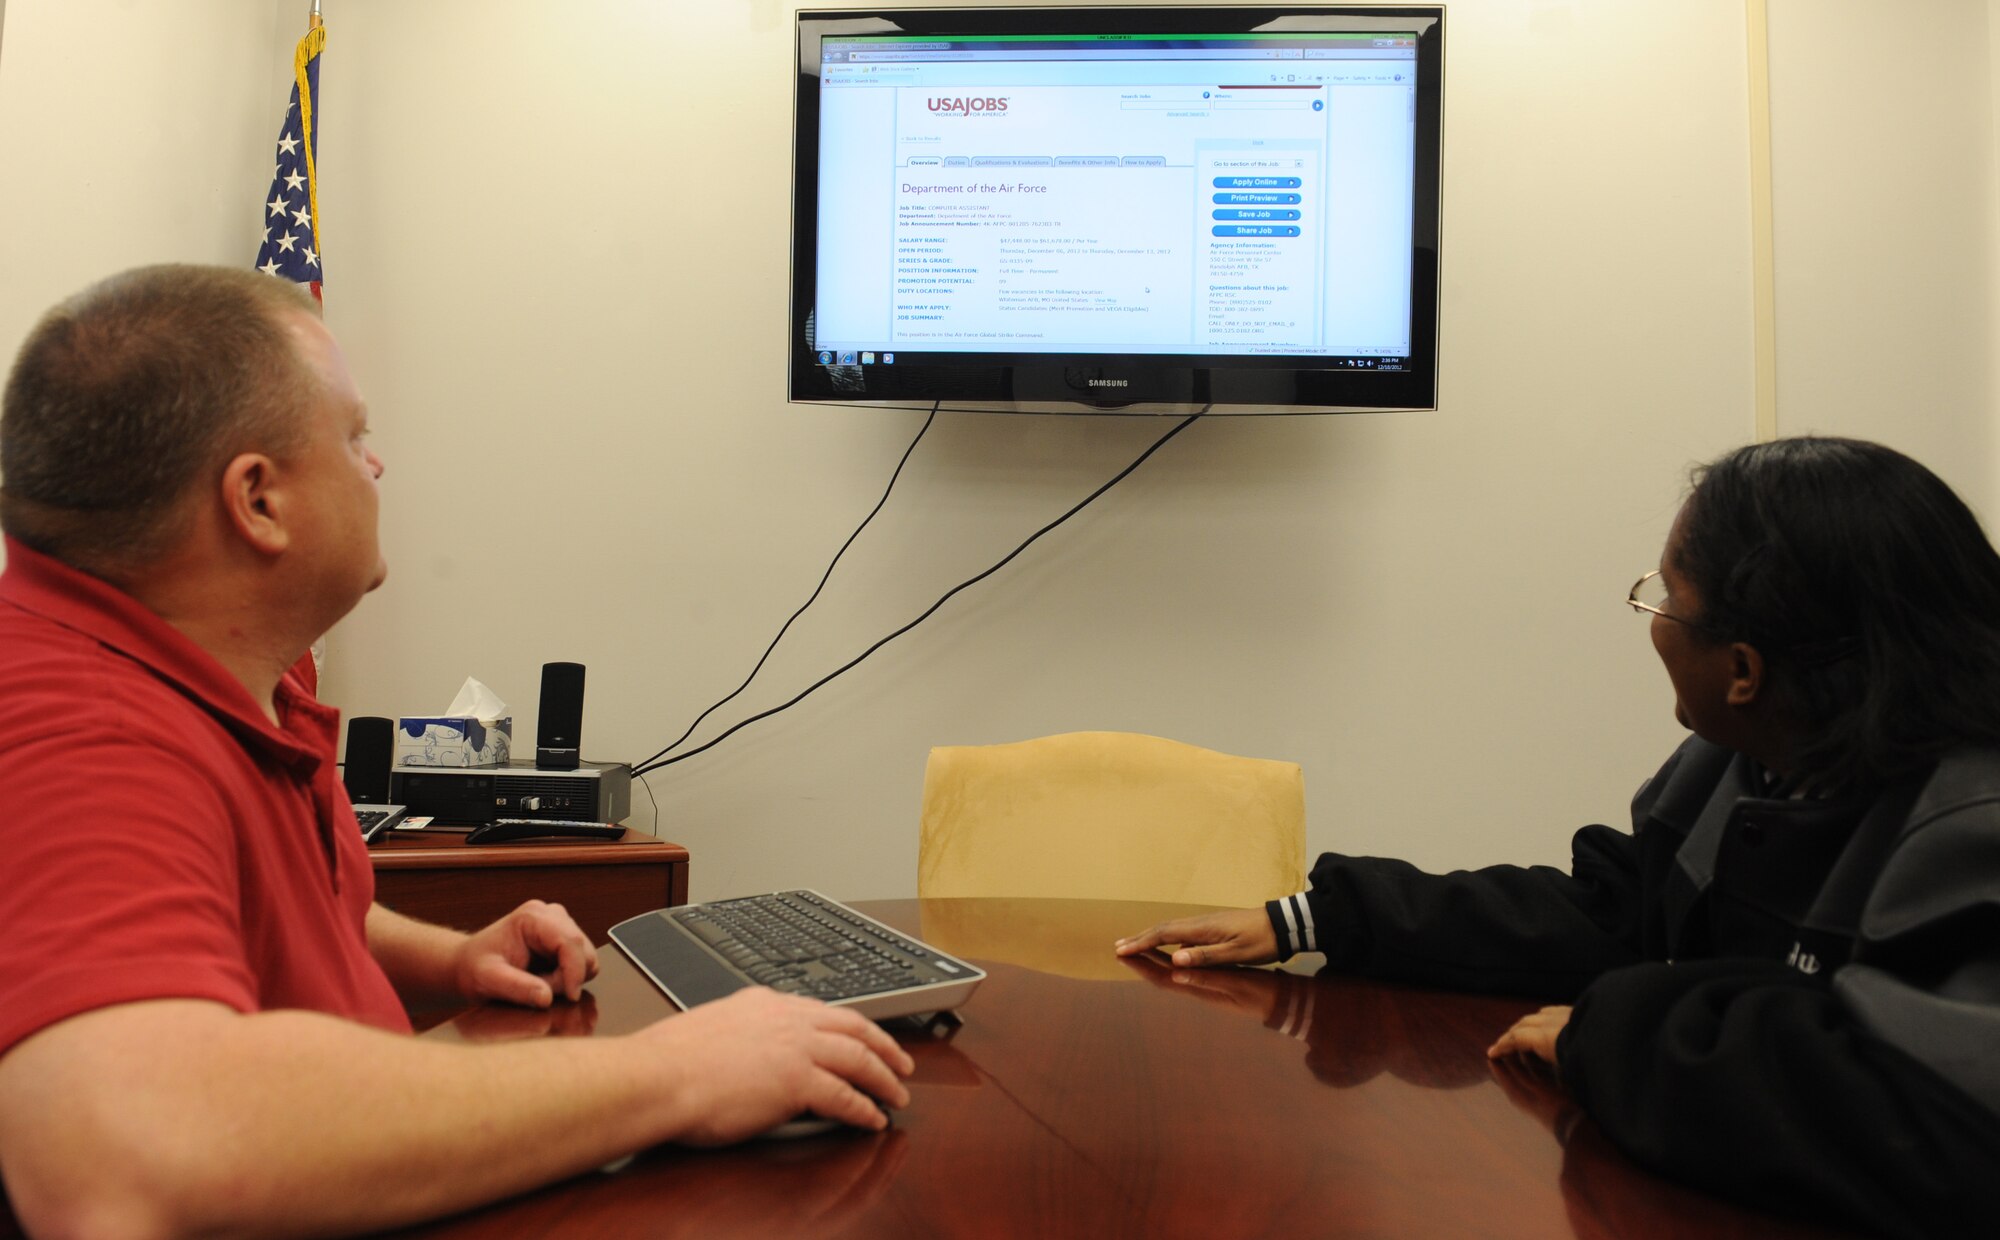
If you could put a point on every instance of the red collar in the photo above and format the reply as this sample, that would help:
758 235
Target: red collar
100 611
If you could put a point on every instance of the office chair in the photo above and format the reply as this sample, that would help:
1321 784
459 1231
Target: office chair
1111 816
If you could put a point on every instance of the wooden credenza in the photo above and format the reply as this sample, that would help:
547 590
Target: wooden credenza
435 877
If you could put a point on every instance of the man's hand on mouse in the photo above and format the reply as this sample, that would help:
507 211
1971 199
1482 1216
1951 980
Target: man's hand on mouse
757 1058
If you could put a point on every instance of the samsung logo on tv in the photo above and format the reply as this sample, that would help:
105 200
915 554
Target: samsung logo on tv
1110 383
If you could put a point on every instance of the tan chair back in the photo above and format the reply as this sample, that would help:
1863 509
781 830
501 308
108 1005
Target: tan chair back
1111 816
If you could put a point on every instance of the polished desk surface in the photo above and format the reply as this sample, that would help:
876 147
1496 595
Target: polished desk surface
1084 1096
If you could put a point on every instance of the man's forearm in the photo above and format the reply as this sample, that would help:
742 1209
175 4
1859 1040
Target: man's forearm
419 958
297 1123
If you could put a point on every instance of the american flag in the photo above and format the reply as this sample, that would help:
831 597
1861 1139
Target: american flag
291 210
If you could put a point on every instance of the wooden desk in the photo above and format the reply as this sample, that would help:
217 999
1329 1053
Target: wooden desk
432 875
1088 1097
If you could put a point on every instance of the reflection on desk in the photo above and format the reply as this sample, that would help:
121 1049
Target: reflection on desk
1138 1100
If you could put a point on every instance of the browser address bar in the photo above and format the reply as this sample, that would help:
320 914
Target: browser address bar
1217 105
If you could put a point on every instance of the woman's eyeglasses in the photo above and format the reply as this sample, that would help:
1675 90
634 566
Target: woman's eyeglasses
1649 594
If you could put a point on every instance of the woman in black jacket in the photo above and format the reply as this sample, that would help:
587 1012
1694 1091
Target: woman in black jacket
1784 982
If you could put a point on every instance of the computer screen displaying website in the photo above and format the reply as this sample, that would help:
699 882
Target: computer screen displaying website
1230 194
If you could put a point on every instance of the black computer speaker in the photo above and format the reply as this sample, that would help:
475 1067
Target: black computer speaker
559 725
371 747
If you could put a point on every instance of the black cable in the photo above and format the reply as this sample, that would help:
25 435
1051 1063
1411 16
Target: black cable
656 762
637 767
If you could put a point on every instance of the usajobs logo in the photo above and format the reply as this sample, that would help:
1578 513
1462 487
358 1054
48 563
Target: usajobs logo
968 105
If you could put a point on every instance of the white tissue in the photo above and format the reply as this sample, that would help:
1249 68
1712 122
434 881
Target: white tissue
476 701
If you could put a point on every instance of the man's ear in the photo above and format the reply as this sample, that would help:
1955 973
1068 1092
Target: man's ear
1746 674
255 503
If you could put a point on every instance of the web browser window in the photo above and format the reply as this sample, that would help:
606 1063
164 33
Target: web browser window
1233 194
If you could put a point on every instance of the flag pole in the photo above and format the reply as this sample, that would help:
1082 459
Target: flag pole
307 131
317 651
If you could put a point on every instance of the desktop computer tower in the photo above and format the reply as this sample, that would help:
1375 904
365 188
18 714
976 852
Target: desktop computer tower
474 796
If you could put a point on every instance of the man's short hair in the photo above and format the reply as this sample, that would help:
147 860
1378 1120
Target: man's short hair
129 395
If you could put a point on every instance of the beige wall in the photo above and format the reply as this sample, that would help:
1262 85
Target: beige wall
1883 171
131 133
572 348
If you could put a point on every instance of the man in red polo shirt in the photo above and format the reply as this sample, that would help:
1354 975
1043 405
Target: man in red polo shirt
201 1018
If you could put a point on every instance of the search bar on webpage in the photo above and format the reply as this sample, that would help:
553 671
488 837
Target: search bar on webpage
1215 105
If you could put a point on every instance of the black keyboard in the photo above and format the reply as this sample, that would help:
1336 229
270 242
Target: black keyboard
800 942
377 820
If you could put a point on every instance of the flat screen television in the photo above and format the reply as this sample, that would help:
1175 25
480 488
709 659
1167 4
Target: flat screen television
1118 209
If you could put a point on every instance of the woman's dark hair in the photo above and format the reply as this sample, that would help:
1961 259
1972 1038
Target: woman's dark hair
1870 591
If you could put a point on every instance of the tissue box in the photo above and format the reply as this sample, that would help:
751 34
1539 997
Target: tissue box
453 740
